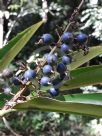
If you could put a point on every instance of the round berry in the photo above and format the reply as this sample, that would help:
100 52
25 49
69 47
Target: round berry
47 38
46 55
47 69
7 90
66 37
26 92
16 81
44 80
81 38
51 58
32 65
65 48
29 74
61 68
66 60
53 92
7 73
54 58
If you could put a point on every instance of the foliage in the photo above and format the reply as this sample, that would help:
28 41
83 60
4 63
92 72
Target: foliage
91 18
25 7
46 123
15 45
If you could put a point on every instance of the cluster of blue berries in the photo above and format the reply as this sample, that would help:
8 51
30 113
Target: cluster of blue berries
54 71
54 64
61 67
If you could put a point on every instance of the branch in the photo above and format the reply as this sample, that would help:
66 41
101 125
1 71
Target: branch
81 4
20 92
7 125
13 101
10 29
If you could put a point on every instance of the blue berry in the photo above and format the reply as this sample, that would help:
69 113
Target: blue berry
54 58
26 92
16 81
46 55
7 90
47 69
32 65
66 37
7 73
66 60
65 48
53 92
44 80
29 74
61 68
81 38
47 38
51 58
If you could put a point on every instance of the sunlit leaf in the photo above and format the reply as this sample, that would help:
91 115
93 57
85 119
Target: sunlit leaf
79 57
83 77
8 52
86 104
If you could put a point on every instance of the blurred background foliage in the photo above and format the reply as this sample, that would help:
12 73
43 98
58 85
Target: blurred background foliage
20 14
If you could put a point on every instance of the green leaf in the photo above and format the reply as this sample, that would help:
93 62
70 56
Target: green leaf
91 98
84 77
3 98
86 104
8 52
81 59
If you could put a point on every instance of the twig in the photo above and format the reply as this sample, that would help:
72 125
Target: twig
7 125
12 25
80 5
14 99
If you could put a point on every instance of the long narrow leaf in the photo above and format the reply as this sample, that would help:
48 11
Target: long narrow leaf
8 53
90 98
83 77
80 58
91 105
